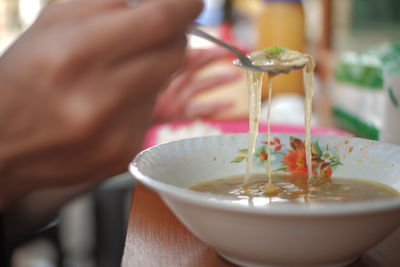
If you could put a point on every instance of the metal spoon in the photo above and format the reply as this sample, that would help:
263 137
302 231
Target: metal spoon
242 60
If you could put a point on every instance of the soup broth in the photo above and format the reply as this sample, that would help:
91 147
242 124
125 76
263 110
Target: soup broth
296 190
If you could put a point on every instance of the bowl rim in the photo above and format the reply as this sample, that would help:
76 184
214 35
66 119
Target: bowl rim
288 209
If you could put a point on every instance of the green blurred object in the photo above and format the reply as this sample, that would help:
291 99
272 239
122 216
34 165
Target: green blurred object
391 76
275 50
354 125
362 68
357 94
391 59
373 13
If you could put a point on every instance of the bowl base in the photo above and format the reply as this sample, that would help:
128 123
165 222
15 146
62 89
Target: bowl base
247 263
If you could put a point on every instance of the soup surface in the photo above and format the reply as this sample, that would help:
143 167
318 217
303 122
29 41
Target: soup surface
295 190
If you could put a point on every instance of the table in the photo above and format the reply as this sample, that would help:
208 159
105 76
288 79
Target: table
155 237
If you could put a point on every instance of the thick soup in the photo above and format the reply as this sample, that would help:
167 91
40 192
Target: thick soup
296 190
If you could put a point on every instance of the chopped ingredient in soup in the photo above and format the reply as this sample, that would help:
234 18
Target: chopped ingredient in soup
280 58
276 50
290 189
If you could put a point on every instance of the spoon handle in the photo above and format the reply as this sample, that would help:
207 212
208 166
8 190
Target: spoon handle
197 32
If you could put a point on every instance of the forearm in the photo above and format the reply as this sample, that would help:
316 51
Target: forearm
37 209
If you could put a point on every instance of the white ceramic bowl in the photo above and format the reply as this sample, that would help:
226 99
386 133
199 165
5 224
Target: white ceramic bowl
285 235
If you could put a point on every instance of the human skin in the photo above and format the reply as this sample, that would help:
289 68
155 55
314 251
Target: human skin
178 100
77 90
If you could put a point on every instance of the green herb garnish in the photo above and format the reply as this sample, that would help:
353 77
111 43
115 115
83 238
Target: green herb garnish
275 50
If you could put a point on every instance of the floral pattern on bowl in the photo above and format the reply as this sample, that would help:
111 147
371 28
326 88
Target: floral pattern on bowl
291 157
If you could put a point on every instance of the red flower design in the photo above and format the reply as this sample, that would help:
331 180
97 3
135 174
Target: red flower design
294 159
276 142
296 163
263 156
326 170
296 143
278 148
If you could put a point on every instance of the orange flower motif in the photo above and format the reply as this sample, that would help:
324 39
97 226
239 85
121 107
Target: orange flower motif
278 148
276 142
296 163
326 171
263 156
324 161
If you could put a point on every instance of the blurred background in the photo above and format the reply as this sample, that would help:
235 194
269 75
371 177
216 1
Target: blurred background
355 44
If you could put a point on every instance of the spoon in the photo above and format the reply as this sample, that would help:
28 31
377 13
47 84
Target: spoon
242 60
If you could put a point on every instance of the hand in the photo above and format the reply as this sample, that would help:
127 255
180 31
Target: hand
78 88
176 101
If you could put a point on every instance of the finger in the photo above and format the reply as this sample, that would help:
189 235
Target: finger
134 3
198 58
209 83
76 10
139 78
128 30
130 87
177 84
193 61
201 110
152 68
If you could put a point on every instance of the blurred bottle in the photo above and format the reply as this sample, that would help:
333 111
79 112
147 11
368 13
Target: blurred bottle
281 22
